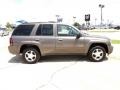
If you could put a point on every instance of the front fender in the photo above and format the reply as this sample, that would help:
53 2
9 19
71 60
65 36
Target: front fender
89 43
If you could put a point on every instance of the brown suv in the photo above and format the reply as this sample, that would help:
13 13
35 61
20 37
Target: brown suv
34 40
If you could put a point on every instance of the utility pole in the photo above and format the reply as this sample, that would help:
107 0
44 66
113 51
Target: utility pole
101 7
95 21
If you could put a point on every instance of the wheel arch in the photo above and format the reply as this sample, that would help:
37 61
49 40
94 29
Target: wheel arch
29 46
99 44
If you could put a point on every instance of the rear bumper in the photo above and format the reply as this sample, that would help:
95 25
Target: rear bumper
13 50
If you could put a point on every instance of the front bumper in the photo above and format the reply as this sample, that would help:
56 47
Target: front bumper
110 49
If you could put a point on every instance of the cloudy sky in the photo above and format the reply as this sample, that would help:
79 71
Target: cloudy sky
45 10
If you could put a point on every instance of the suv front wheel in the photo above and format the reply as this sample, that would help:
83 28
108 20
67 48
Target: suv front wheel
31 55
97 54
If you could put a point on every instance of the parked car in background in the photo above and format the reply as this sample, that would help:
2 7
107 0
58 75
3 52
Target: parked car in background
3 32
117 27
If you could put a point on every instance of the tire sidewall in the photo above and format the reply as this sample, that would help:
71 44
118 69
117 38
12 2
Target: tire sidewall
37 55
92 49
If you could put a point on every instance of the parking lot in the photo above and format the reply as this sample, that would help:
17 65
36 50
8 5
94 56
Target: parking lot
59 72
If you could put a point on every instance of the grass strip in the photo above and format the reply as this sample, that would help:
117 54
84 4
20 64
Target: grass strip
115 41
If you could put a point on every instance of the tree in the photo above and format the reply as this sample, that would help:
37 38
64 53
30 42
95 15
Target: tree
77 25
8 25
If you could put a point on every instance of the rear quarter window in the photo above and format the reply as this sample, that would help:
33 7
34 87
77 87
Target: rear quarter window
23 30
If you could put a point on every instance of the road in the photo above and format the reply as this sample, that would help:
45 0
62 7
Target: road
115 35
58 72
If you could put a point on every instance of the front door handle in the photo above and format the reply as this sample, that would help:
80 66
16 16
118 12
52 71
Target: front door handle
60 39
36 39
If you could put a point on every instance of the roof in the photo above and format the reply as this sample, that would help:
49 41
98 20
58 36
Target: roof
50 22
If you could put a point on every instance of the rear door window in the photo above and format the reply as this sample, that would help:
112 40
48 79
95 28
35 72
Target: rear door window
45 30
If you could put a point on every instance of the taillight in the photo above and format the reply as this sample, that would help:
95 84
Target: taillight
11 41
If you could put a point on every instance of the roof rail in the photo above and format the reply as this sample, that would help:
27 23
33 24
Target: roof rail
44 22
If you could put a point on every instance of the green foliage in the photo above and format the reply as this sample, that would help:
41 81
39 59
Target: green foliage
77 25
8 25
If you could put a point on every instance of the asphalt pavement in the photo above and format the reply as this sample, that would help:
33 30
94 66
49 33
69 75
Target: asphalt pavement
58 72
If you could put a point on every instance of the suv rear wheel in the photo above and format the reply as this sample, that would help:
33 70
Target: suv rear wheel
97 54
31 55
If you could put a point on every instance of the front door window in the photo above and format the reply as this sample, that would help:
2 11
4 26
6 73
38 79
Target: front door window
65 30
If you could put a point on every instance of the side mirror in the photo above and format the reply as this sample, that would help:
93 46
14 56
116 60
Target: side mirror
78 36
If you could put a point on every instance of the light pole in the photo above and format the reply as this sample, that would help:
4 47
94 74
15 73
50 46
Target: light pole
101 7
57 17
74 19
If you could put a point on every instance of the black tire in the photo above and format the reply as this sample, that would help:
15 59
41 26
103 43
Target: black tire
31 55
94 57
